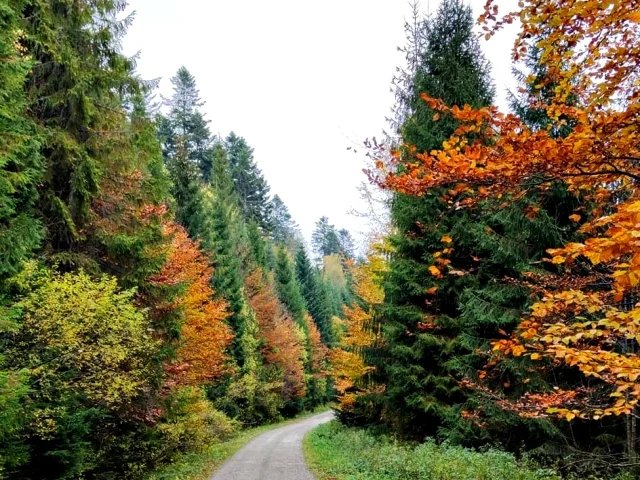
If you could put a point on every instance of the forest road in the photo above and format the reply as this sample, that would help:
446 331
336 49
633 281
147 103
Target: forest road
274 455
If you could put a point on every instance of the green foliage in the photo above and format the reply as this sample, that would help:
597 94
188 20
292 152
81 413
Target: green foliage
187 125
334 451
288 287
74 93
86 350
421 385
325 240
21 164
191 424
315 297
251 187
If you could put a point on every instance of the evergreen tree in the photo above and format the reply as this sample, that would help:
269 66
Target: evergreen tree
445 294
75 93
314 295
21 164
325 240
288 287
347 245
421 389
186 190
221 240
186 147
185 121
282 225
251 187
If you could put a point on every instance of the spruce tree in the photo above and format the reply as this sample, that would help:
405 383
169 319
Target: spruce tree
325 240
314 295
445 292
22 165
347 244
250 185
282 225
421 389
288 287
185 121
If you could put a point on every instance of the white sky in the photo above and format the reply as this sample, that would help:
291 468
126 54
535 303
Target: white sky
301 80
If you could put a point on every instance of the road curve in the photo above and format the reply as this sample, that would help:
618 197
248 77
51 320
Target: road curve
274 455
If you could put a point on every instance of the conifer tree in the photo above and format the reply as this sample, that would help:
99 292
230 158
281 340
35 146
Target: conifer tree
420 386
288 287
282 225
185 121
22 166
314 295
250 186
445 294
347 245
325 240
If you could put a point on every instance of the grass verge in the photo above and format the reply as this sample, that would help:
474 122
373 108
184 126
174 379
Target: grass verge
335 452
200 466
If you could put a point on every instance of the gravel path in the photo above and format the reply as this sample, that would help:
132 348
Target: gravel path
274 455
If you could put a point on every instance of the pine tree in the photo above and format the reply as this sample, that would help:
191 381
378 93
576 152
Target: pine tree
314 295
250 185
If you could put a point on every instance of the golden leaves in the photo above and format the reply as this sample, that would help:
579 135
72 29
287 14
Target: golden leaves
435 271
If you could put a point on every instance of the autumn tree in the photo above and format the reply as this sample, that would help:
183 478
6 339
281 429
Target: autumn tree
350 361
86 350
282 347
583 321
204 334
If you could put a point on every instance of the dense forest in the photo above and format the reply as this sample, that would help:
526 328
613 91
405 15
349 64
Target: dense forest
156 297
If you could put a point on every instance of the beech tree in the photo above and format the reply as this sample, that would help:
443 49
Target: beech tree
585 317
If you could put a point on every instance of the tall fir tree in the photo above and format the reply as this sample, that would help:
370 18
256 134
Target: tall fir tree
186 121
22 165
421 390
250 185
445 293
314 295
288 287
325 240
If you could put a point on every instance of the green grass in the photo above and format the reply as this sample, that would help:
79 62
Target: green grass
335 452
200 466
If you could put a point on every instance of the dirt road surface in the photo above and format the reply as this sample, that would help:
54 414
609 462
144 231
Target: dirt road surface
274 455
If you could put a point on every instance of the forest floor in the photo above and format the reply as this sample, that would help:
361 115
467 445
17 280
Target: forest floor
201 466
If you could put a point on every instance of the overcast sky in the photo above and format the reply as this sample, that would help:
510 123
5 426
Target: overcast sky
301 80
